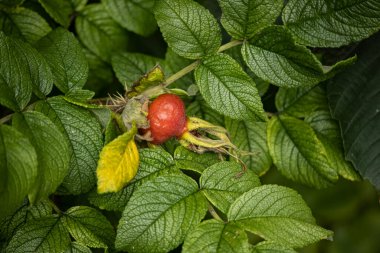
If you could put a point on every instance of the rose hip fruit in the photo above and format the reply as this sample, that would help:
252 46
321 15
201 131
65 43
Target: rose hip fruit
167 118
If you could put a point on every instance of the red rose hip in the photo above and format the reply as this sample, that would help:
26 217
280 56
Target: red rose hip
167 118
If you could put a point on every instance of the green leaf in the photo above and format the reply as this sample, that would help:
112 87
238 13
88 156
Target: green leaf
222 183
273 55
322 23
215 236
22 70
83 131
174 63
46 234
153 162
135 16
228 89
100 74
277 214
199 108
80 97
59 10
23 24
354 101
15 221
99 32
52 150
250 136
189 160
270 247
300 102
77 248
160 214
189 29
261 85
11 2
89 227
66 59
18 167
242 19
129 67
298 153
328 133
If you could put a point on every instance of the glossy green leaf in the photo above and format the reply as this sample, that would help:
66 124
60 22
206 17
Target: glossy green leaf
66 59
153 162
160 214
189 160
129 67
250 136
22 70
277 214
18 167
77 248
228 89
215 236
52 150
270 247
324 23
222 183
89 227
189 29
242 18
298 153
135 16
62 11
83 131
46 234
24 24
354 101
99 32
23 214
300 102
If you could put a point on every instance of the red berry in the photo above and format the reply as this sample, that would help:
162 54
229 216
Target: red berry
167 118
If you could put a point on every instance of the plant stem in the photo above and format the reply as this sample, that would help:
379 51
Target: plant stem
229 45
171 79
181 73
54 206
6 118
214 213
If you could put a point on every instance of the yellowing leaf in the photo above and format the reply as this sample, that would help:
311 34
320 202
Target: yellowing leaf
118 163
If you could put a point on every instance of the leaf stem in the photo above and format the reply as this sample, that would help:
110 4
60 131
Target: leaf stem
171 79
54 206
181 73
229 45
6 118
214 213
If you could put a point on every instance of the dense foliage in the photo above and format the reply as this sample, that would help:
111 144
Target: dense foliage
269 86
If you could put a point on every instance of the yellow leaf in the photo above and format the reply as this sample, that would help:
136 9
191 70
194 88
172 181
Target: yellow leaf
118 163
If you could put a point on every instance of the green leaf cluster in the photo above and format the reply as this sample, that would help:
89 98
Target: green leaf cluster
258 68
